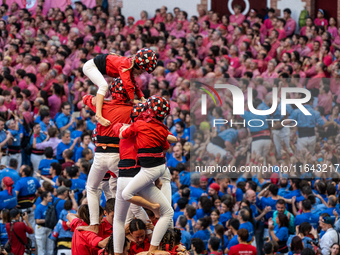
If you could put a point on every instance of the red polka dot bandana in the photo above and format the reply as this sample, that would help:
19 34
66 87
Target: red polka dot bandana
137 110
117 90
159 105
146 59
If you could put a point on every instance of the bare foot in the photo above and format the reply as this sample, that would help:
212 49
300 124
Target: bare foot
156 210
92 228
102 121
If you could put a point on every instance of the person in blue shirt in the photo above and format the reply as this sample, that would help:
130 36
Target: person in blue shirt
66 143
294 183
198 246
65 121
215 216
73 174
186 237
189 213
43 243
233 226
185 175
60 233
280 232
306 215
268 197
14 145
202 231
181 204
205 205
11 171
5 136
196 191
81 127
306 126
332 202
91 123
8 199
85 141
45 164
181 132
45 122
177 157
37 155
174 180
219 232
244 217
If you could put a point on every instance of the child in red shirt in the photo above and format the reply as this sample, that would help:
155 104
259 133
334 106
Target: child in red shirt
116 66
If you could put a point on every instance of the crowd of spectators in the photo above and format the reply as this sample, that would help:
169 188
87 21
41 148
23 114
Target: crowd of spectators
46 130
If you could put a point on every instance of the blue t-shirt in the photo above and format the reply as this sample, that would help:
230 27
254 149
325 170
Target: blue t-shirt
311 218
204 235
8 172
186 239
184 178
7 201
61 147
78 184
16 135
196 193
59 206
268 201
90 125
172 162
225 217
45 164
63 120
248 226
281 233
40 211
176 215
27 186
79 153
233 241
75 134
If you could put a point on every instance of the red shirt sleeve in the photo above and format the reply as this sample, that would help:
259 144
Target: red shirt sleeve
74 224
92 238
166 146
116 128
126 78
28 229
87 100
130 131
139 92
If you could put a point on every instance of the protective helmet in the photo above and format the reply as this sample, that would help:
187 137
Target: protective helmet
146 60
117 89
137 110
159 105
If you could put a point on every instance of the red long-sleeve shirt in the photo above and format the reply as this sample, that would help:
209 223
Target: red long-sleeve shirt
114 68
151 138
115 112
84 242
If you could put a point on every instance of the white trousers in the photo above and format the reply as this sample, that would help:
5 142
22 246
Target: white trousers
124 214
102 163
307 143
44 244
214 149
261 147
281 135
91 71
35 159
4 160
143 185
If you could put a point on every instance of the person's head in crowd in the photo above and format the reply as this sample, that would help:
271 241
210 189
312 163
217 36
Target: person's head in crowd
214 244
214 189
87 154
55 169
233 224
205 203
243 215
66 136
325 221
137 229
335 249
48 152
109 210
250 195
203 182
242 235
182 202
46 197
66 108
197 245
62 192
190 211
282 220
296 245
14 214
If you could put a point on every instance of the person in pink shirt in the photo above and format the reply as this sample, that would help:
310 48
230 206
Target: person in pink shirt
191 72
252 17
320 20
148 26
226 23
54 101
214 23
161 49
304 49
178 32
3 108
27 64
161 17
47 27
64 31
61 56
254 68
324 56
309 23
325 98
268 22
27 26
237 18
297 67
234 60
20 76
172 76
270 73
332 29
31 79
315 82
316 49
290 25
143 18
84 22
202 15
281 23
130 27
275 43
9 103
170 23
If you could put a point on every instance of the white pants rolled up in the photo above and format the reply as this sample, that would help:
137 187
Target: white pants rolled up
44 244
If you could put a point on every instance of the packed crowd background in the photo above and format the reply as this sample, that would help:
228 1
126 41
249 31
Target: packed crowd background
46 129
